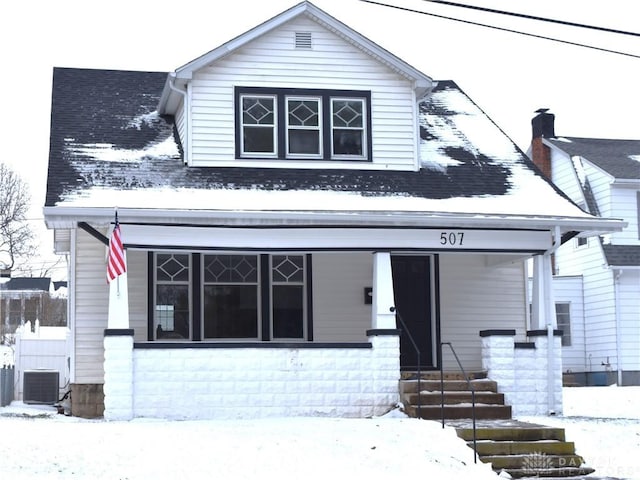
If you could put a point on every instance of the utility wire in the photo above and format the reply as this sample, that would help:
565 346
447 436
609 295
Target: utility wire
532 17
501 28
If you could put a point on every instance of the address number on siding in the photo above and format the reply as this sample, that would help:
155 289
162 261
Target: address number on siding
454 239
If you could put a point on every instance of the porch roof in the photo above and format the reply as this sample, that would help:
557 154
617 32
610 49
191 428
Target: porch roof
109 147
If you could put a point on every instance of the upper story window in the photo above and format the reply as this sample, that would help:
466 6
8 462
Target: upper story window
303 124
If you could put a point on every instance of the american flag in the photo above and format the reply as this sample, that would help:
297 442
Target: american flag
116 263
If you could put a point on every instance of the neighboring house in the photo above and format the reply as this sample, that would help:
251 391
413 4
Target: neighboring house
280 198
26 299
597 279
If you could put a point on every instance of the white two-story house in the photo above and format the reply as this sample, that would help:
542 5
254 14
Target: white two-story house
304 215
597 279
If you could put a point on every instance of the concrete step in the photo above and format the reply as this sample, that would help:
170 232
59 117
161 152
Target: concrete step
517 433
480 385
483 411
546 447
435 375
532 462
565 473
453 397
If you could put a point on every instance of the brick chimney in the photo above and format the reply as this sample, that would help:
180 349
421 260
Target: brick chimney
543 127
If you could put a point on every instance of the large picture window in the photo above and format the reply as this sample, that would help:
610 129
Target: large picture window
230 297
303 124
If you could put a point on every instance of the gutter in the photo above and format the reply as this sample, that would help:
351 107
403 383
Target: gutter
617 273
67 217
186 145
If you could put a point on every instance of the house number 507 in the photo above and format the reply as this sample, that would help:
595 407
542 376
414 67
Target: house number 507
451 238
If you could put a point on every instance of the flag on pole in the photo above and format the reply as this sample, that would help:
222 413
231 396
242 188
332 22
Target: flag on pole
116 263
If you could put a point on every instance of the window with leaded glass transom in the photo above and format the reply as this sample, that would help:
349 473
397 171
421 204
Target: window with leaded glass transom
172 316
258 125
287 296
347 127
230 296
303 124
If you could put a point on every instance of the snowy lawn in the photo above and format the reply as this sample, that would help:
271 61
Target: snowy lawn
604 423
58 447
35 442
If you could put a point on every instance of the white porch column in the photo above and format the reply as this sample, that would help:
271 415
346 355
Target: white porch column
543 312
544 319
118 316
383 300
118 354
118 374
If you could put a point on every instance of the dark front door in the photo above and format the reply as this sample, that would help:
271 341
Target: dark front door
412 291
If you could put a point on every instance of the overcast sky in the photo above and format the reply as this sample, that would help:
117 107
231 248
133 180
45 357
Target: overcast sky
593 93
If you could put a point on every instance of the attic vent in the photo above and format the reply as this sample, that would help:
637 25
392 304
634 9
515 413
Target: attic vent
303 40
40 386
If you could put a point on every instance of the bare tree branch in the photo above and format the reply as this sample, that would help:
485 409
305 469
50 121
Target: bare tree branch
16 236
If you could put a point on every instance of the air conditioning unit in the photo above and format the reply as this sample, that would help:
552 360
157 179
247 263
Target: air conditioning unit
40 386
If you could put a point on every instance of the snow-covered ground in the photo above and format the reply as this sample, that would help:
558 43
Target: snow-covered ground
604 423
35 442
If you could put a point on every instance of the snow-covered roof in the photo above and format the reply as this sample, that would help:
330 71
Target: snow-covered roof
109 147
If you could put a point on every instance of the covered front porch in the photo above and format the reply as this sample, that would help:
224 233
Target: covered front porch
341 347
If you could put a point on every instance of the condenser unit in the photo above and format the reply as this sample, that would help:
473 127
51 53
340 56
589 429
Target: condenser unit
40 386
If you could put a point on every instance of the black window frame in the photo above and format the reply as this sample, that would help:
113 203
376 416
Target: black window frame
265 284
281 95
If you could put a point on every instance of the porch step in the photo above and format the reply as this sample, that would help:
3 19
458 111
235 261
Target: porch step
523 449
452 412
481 385
457 398
435 375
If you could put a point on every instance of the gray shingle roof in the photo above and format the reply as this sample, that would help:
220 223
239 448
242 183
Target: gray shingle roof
27 283
622 255
612 156
114 112
98 107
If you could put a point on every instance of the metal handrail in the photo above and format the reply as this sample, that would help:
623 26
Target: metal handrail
473 395
417 349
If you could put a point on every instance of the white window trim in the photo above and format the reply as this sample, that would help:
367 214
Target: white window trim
362 130
274 126
299 127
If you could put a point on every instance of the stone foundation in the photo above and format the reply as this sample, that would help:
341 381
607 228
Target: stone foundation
87 400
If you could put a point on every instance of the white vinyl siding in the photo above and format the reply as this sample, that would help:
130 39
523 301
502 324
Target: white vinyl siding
565 177
629 312
477 296
569 290
624 204
339 311
332 64
92 304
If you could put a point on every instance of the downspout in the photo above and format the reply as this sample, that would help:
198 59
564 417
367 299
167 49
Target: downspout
186 145
557 241
616 277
